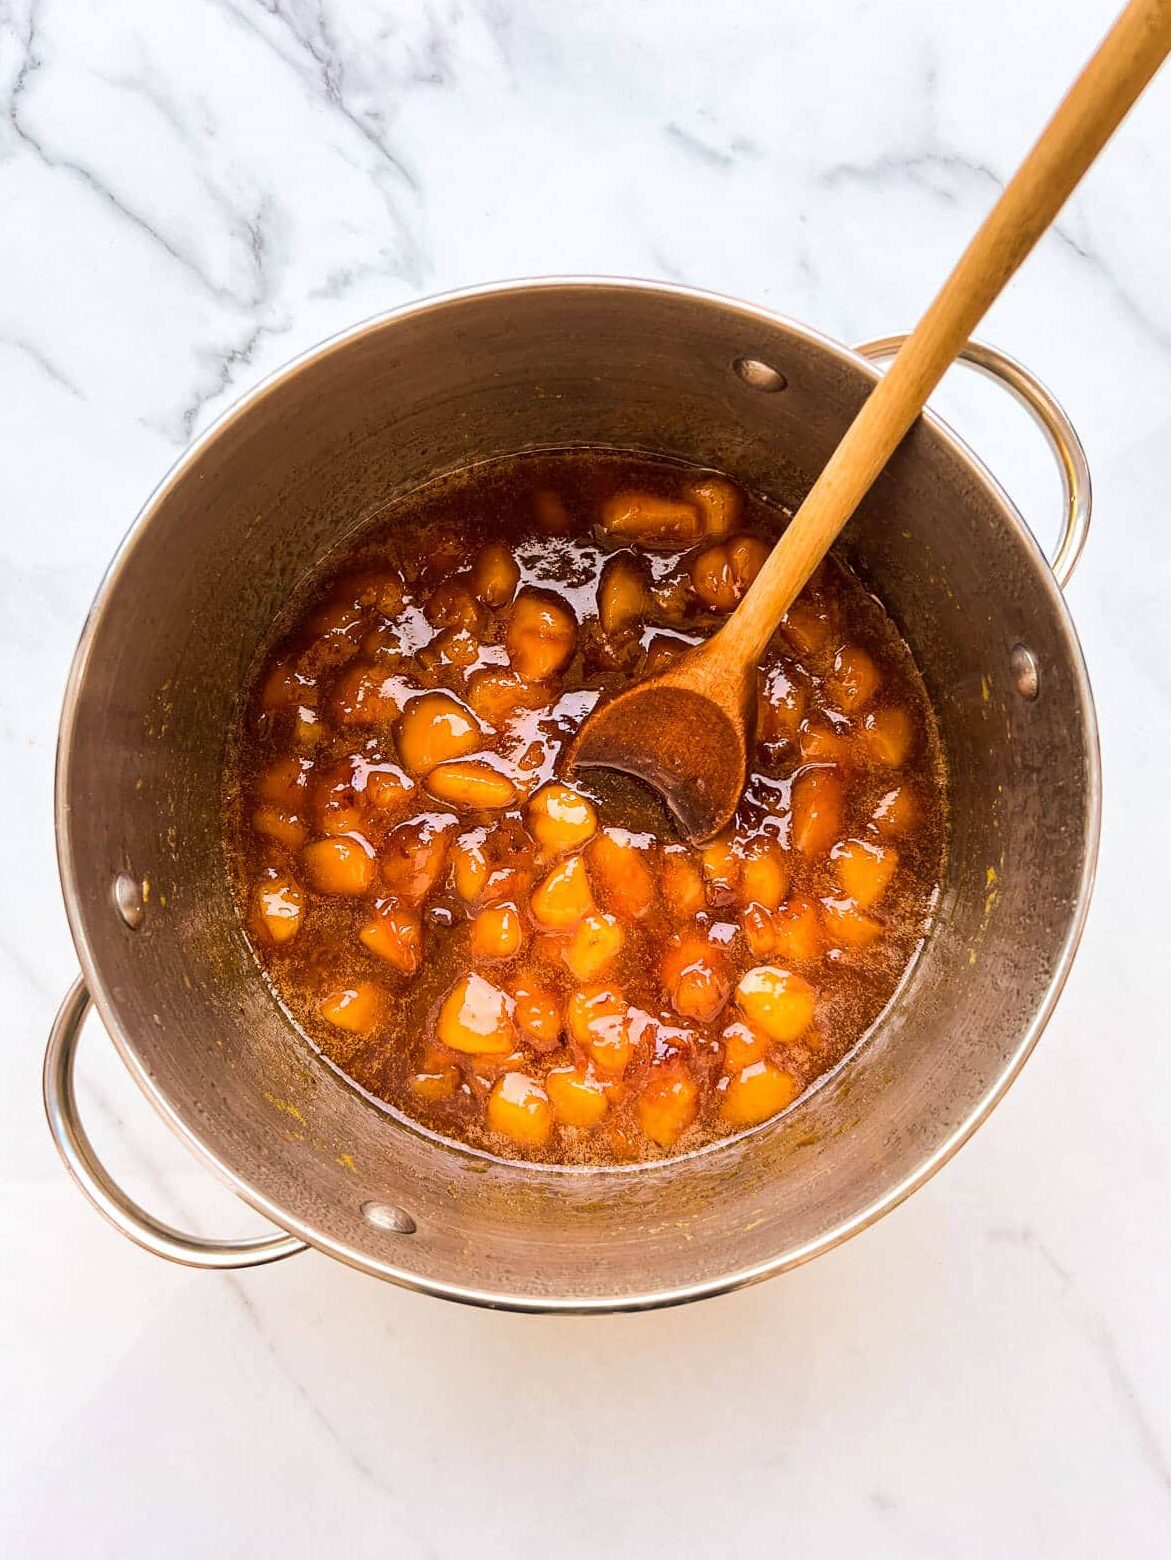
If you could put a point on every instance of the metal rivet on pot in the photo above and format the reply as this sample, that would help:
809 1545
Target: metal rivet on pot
758 375
1026 674
128 900
385 1216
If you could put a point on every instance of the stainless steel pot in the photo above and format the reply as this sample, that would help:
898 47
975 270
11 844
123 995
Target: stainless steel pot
307 457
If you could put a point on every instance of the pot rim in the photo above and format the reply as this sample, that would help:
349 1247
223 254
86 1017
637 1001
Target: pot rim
469 1294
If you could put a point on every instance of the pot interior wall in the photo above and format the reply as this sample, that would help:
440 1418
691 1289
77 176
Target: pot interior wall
313 455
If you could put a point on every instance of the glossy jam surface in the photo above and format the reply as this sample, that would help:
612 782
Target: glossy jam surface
539 967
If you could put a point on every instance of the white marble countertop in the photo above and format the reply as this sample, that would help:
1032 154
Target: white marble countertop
192 192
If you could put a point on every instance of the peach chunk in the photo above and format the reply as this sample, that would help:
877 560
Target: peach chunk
718 502
797 931
278 906
577 1097
471 782
453 605
540 636
854 679
887 736
722 573
388 788
757 1092
284 783
759 928
470 868
394 933
497 694
495 575
443 551
342 864
537 1015
564 896
356 1007
897 812
434 728
415 854
650 519
476 1018
282 689
764 876
437 1078
497 932
598 1019
519 1108
672 596
711 578
695 976
452 649
364 695
337 802
663 651
492 864
619 870
721 868
668 1103
682 883
383 590
743 1045
776 1002
848 927
821 742
863 870
275 823
340 614
807 627
817 810
596 942
560 818
781 708
308 728
623 598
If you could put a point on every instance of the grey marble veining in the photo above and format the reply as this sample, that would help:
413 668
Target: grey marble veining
191 193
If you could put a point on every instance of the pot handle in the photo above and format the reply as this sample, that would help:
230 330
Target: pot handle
1050 417
95 1181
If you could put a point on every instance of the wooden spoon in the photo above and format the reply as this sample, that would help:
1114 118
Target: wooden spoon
688 732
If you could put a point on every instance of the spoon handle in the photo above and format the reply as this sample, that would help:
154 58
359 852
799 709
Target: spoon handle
1107 88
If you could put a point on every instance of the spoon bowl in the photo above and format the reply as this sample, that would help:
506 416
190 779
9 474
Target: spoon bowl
686 732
